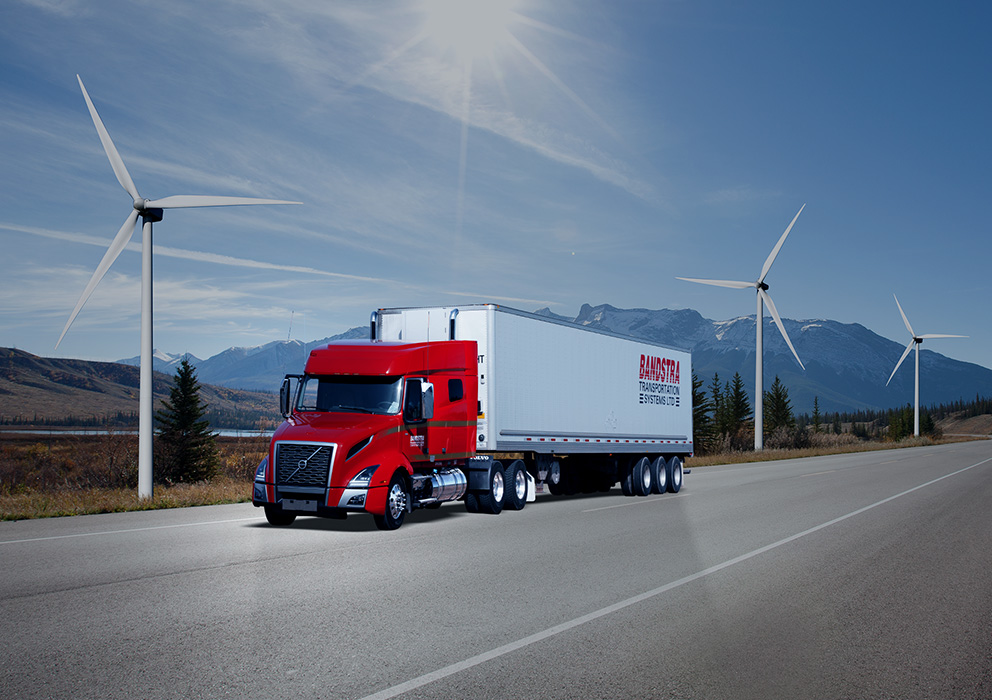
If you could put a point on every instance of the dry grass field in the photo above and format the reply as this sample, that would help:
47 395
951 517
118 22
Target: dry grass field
57 475
53 475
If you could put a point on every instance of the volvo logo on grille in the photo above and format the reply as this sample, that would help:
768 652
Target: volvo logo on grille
302 464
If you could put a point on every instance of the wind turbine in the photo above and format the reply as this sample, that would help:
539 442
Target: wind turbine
763 298
917 341
150 211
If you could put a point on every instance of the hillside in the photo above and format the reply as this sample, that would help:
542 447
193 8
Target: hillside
39 389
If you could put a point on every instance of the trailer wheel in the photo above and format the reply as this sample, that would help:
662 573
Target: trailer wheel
277 517
491 501
640 477
626 479
674 468
516 485
396 503
659 475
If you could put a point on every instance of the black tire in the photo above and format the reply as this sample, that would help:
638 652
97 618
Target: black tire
491 501
397 498
277 517
553 478
659 475
674 469
472 503
516 485
640 476
626 479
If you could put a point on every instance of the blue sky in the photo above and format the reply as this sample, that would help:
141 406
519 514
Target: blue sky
561 153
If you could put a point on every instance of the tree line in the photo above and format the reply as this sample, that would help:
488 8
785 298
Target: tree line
723 418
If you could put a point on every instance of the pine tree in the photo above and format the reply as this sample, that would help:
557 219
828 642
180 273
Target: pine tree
778 408
817 418
702 421
738 406
719 407
187 449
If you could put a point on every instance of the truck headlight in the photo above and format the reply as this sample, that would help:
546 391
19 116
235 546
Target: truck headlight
363 478
260 471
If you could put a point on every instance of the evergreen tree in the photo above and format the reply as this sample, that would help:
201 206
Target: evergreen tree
719 407
778 408
187 449
817 418
738 406
702 421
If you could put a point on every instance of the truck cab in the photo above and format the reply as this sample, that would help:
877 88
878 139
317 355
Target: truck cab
372 426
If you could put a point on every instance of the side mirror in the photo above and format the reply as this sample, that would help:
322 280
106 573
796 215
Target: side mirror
284 394
427 410
418 405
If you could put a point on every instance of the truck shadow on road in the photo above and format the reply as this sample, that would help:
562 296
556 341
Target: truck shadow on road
362 522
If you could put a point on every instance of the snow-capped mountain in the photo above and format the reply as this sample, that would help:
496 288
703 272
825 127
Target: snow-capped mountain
847 365
260 368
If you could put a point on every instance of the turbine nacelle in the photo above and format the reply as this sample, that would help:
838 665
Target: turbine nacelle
762 288
916 341
151 210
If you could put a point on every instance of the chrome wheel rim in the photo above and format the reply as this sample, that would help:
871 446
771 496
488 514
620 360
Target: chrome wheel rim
396 501
520 484
497 486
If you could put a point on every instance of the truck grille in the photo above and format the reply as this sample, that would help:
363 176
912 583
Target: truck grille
303 463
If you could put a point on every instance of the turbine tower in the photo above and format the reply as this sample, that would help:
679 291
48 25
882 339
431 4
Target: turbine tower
150 211
917 341
763 299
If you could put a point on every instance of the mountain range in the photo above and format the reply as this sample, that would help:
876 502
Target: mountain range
847 365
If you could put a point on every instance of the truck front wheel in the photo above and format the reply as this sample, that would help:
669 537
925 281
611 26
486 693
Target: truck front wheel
396 502
277 517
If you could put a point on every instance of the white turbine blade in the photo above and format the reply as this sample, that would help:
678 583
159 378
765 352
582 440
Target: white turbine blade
116 162
116 246
778 322
183 201
778 247
904 354
940 335
904 319
720 283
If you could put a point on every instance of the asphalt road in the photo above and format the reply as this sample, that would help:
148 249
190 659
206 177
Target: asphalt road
855 576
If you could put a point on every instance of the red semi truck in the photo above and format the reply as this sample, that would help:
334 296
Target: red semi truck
479 403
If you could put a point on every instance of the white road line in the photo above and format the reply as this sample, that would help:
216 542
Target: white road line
634 502
134 529
484 657
831 471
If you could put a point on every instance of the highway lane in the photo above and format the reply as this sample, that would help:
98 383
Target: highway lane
855 576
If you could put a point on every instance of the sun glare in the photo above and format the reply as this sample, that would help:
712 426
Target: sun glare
471 28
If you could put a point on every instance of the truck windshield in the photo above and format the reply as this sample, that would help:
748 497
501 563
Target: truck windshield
350 394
